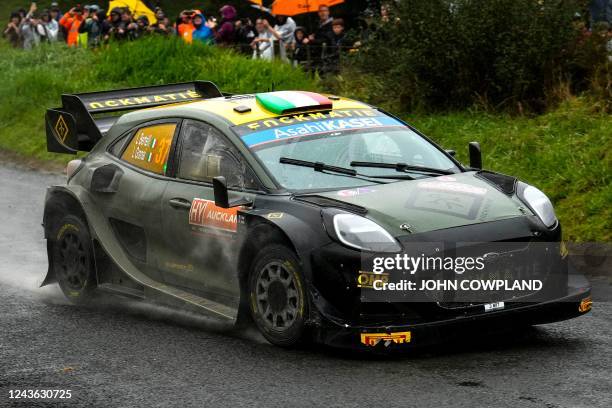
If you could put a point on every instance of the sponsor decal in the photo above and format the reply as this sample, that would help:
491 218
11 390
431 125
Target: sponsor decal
452 186
143 100
585 305
271 123
150 147
61 128
367 279
320 127
275 215
372 339
494 306
204 213
355 192
446 178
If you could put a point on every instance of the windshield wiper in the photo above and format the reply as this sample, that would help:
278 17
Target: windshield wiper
400 167
319 166
322 167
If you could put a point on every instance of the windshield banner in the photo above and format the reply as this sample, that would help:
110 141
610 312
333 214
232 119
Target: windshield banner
258 138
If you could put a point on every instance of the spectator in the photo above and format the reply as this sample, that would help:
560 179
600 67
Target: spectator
71 22
184 26
201 30
162 26
31 29
128 25
12 32
263 44
283 32
324 32
55 9
51 27
338 43
114 24
142 27
225 35
299 47
245 34
96 26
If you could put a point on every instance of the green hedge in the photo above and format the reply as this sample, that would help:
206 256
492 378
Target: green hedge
449 54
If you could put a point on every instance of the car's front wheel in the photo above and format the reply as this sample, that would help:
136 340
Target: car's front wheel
73 262
277 294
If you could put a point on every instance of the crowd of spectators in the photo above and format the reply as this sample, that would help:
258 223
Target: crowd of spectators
267 36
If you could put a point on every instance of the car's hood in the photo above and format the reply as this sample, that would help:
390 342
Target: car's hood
432 203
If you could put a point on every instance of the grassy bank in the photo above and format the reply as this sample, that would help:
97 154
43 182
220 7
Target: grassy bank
566 152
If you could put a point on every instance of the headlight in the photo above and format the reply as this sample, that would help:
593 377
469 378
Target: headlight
539 204
361 233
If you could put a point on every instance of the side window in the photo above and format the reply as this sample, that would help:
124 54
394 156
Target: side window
150 146
206 154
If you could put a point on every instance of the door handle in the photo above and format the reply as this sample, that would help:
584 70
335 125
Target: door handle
180 203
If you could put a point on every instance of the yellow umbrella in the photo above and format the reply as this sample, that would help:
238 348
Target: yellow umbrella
137 7
294 7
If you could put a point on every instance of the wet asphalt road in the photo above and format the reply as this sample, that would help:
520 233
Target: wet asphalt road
135 355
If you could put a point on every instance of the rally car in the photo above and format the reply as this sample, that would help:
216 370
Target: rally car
267 207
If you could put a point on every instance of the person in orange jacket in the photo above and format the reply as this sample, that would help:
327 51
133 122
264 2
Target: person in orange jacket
184 25
71 21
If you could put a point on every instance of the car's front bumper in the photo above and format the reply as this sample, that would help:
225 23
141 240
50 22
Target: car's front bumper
574 303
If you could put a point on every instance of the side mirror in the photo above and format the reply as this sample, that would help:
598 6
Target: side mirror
220 190
222 197
475 155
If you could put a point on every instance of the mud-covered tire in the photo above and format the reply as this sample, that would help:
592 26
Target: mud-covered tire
73 261
278 300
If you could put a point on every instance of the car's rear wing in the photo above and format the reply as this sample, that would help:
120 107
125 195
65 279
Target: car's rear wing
84 118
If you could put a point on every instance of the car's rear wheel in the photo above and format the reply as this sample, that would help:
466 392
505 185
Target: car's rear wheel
73 261
278 300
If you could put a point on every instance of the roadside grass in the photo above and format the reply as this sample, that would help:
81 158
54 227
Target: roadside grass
566 152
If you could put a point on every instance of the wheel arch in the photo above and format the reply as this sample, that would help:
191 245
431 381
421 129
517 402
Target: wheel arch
59 201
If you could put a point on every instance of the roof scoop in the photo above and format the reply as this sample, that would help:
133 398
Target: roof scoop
283 102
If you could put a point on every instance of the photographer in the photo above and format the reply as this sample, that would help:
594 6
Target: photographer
12 32
95 27
184 25
263 44
71 21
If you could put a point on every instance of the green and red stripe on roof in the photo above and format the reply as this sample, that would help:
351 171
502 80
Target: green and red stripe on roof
281 102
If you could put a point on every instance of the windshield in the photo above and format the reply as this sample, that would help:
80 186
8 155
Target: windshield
338 142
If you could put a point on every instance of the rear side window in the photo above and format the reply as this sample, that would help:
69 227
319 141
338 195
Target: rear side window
150 147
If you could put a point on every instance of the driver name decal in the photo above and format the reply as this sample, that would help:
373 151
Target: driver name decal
204 213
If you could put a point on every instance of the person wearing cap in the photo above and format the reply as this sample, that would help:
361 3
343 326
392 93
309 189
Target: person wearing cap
71 21
55 11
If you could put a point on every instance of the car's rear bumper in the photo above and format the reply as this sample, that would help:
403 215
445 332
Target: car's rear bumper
396 337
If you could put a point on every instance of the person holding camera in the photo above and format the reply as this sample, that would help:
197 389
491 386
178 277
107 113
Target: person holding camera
71 21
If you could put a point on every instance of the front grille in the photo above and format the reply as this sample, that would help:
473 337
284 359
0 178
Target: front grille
507 261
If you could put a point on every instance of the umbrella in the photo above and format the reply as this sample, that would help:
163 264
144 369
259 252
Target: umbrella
256 2
137 7
293 7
